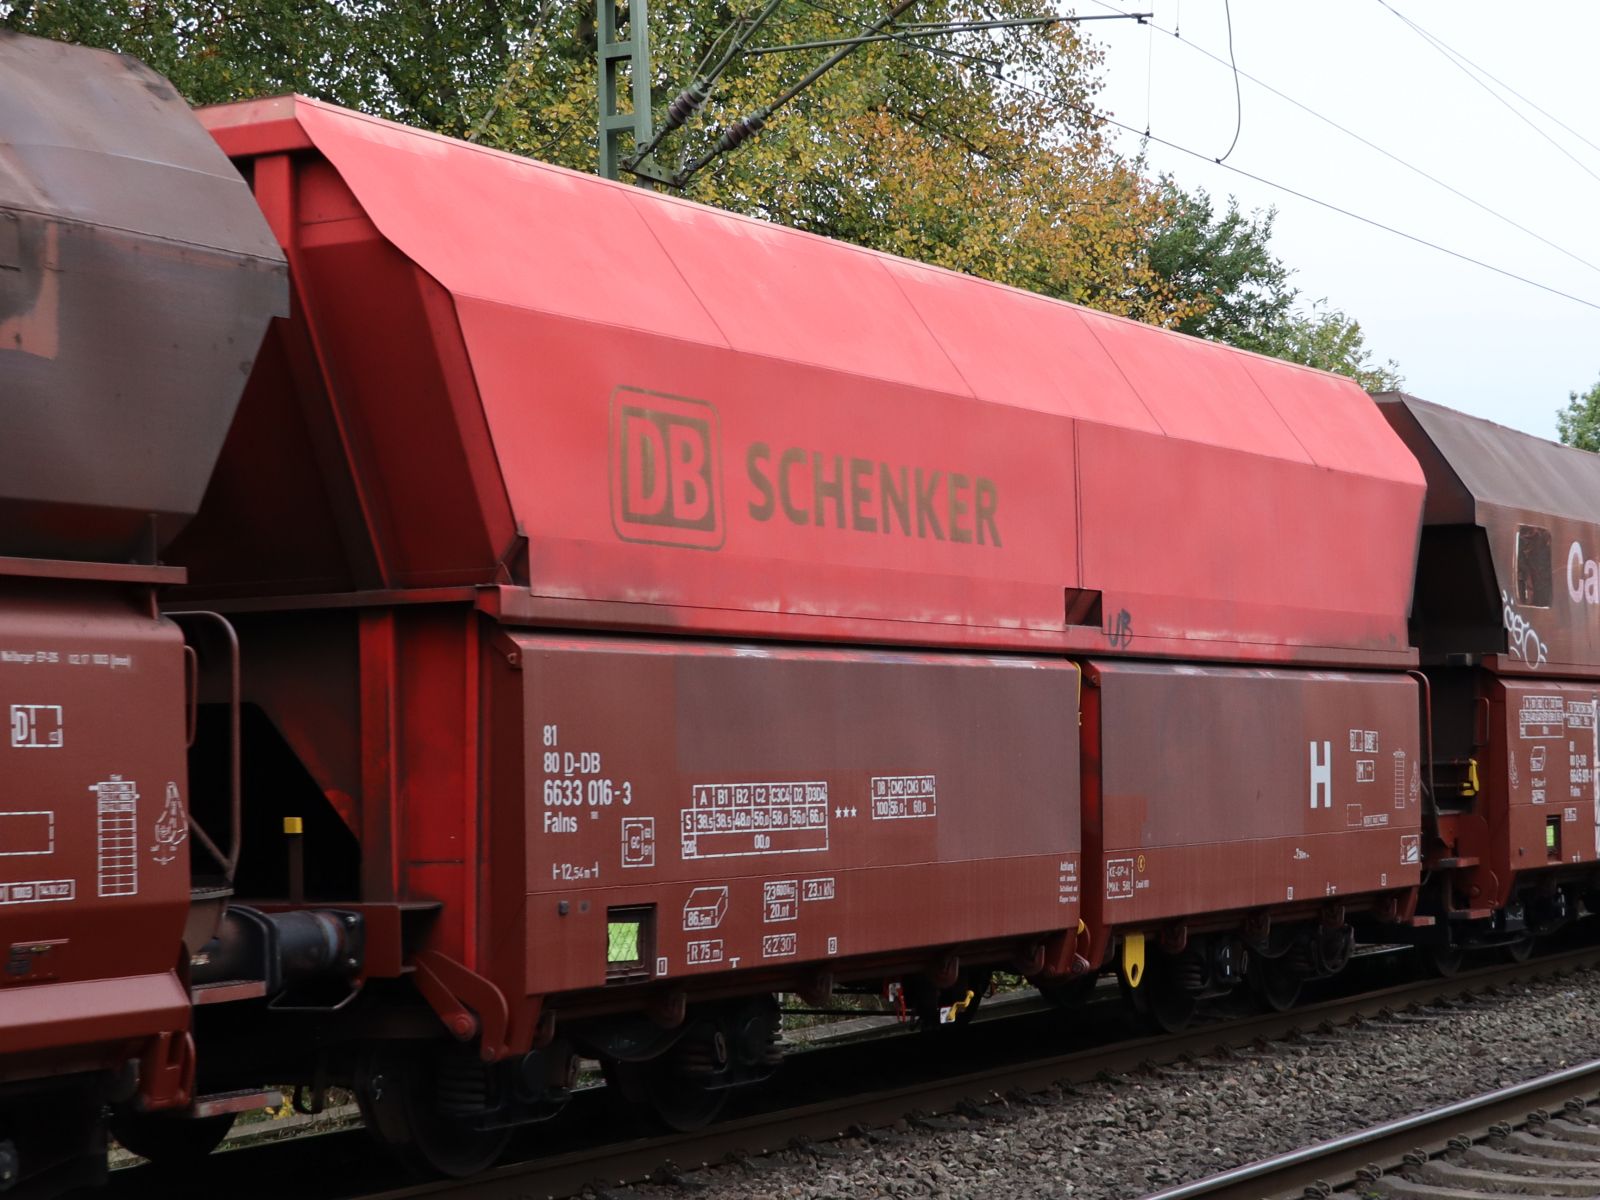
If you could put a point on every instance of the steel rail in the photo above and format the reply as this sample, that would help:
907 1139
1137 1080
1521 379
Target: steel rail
634 1161
1386 1145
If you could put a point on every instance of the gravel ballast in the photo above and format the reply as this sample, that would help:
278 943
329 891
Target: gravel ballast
1127 1135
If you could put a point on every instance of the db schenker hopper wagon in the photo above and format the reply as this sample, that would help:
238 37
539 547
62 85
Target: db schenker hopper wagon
641 610
648 608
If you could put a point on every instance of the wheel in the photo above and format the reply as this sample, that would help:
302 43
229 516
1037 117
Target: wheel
686 1085
1275 985
1169 1007
674 1088
401 1094
1443 961
676 1100
1160 999
1519 951
170 1140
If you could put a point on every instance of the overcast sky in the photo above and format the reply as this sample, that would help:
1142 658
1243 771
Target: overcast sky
1463 336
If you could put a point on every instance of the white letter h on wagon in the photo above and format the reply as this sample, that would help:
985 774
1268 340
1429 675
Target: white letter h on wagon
1322 775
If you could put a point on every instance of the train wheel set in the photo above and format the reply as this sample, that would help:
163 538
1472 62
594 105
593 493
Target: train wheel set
429 662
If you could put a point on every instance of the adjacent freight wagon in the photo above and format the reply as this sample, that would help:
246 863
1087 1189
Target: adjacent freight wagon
136 279
1507 620
606 613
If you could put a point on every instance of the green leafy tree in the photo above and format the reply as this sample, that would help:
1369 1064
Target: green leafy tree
981 152
1224 264
1579 421
1237 291
425 62
1324 337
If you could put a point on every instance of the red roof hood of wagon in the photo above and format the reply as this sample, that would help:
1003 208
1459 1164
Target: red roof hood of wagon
861 438
1021 349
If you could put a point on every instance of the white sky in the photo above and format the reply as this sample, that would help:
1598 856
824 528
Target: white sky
1463 336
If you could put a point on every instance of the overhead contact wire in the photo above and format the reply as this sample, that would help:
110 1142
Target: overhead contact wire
1365 220
746 127
1373 146
941 51
1265 182
689 101
1498 82
1149 66
880 31
1459 64
1238 99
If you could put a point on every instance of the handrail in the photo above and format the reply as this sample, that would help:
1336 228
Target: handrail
229 861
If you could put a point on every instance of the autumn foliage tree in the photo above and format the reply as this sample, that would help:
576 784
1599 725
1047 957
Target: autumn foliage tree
982 151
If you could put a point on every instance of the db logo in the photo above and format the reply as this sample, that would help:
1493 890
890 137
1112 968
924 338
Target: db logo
664 470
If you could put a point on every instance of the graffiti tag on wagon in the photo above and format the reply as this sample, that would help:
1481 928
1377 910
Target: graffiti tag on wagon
1120 635
1522 640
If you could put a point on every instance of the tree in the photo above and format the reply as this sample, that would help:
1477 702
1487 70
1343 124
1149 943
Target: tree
1579 422
981 151
1326 338
424 62
1238 291
1239 288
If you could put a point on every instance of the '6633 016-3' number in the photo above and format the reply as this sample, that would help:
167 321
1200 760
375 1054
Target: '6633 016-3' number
576 793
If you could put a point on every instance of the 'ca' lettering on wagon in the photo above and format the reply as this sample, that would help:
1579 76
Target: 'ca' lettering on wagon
1583 576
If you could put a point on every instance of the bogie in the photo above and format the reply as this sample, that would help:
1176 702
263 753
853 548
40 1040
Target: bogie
683 1081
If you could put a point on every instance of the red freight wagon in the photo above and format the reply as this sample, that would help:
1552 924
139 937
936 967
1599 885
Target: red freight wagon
1507 619
645 609
136 280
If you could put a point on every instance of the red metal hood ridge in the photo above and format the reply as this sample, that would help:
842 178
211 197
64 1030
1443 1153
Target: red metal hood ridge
858 438
514 231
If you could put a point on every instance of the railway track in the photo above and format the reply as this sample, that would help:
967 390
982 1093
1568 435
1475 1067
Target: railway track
820 1114
1539 1138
